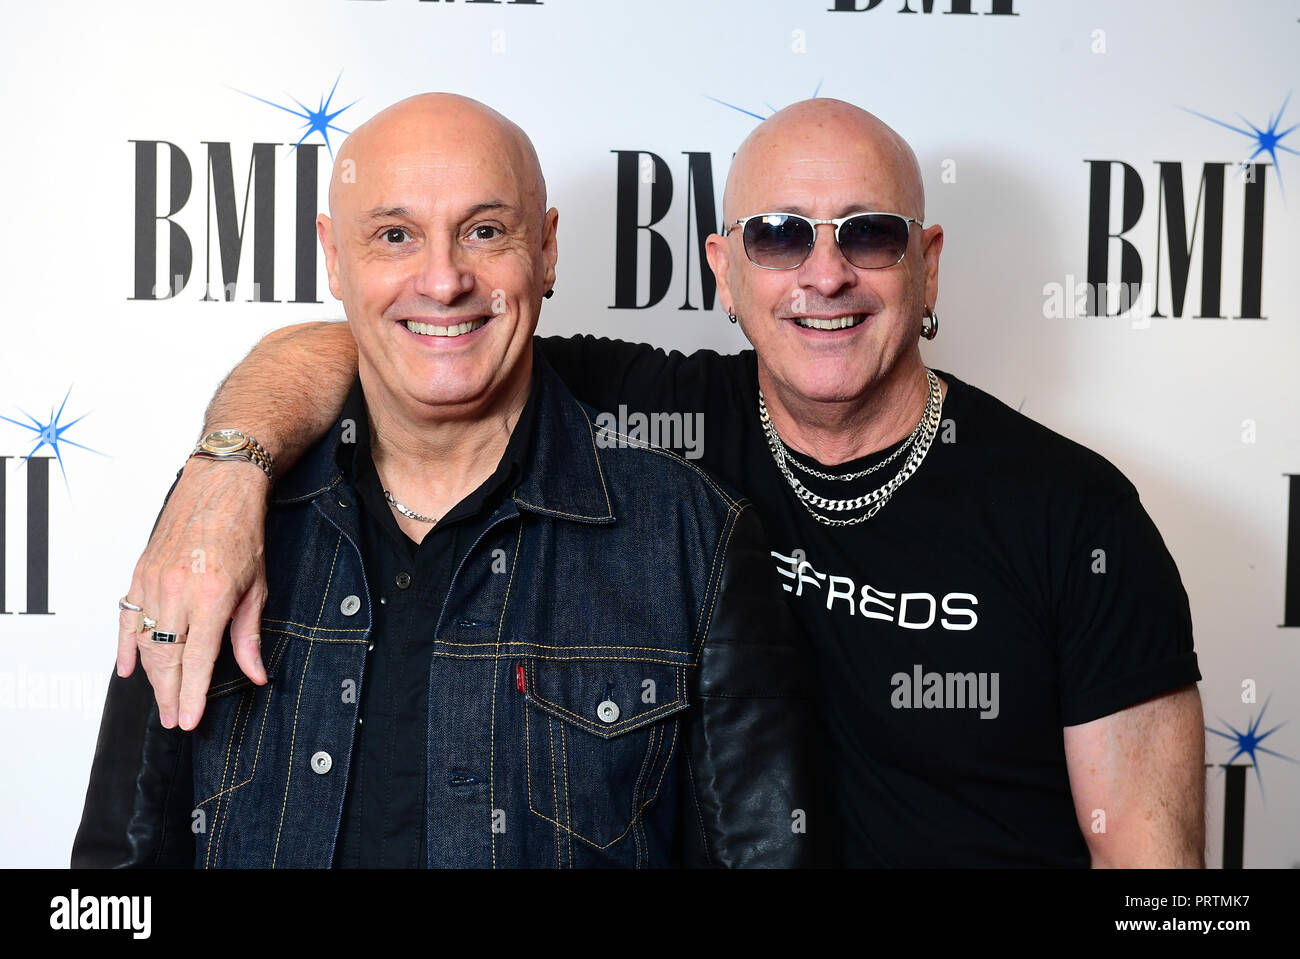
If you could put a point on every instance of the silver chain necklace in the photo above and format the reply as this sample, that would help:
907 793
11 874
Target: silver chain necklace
919 442
849 477
408 513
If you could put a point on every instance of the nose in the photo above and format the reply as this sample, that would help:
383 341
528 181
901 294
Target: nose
442 272
826 270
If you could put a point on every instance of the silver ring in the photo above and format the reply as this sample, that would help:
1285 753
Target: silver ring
125 603
159 636
146 623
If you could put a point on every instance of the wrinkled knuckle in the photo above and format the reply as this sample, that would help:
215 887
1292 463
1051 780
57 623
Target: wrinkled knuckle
210 594
201 656
220 580
174 581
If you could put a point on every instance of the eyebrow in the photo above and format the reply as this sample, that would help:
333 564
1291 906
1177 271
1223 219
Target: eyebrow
398 212
385 212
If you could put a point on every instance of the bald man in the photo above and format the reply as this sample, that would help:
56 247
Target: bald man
462 663
1003 647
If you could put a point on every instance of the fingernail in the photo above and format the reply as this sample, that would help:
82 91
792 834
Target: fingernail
187 720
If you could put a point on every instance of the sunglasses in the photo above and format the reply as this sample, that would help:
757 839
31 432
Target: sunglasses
782 241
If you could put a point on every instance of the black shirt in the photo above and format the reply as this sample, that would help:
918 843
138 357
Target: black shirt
1012 586
384 819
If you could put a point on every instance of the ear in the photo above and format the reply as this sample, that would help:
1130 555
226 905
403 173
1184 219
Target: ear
325 230
550 248
718 253
931 247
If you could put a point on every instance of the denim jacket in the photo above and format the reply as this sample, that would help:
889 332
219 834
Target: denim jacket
615 681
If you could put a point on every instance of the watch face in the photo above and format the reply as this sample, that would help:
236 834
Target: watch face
225 441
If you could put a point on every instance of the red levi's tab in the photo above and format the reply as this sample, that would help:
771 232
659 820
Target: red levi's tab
519 678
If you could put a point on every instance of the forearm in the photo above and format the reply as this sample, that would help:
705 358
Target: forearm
286 394
289 390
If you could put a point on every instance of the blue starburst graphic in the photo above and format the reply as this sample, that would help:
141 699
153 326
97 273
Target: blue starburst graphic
1268 140
750 113
1248 742
320 120
50 433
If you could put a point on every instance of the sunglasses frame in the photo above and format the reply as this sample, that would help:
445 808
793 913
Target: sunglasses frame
837 223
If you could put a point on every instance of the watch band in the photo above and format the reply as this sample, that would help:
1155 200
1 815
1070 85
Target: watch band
250 450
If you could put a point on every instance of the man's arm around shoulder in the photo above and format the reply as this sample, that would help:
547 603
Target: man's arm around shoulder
754 793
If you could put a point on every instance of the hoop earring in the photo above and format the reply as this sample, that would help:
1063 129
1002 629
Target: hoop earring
930 324
731 316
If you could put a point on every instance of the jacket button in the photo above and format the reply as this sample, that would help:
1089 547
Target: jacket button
350 605
607 711
321 762
403 580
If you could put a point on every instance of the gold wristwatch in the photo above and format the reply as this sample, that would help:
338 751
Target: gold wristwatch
232 444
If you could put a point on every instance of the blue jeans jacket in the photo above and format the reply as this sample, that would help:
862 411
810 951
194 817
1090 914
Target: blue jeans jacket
615 682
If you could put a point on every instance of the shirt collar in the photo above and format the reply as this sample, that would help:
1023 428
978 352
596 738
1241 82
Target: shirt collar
353 453
552 453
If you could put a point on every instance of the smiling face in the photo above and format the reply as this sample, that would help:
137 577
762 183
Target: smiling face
438 246
827 331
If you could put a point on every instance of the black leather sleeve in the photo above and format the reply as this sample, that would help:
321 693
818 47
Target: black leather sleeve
141 791
754 790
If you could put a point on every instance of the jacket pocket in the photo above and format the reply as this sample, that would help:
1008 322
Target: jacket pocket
227 742
599 738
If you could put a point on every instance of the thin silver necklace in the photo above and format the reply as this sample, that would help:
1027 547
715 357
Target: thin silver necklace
919 442
408 513
849 477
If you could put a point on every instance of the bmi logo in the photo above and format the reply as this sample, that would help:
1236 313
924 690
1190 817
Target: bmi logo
236 227
34 547
1248 743
1184 232
644 195
997 8
1291 588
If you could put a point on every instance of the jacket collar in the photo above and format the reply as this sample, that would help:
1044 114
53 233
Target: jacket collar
563 477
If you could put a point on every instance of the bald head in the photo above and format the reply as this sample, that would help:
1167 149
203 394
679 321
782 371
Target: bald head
797 144
435 124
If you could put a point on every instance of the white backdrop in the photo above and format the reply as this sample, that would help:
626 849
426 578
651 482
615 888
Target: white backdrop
1004 111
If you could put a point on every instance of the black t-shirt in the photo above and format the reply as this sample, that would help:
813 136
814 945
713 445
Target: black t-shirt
1012 586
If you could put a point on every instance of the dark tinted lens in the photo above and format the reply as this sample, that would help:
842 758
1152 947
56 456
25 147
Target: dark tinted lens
777 241
874 240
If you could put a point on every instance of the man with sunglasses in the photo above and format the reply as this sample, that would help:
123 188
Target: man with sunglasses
1002 642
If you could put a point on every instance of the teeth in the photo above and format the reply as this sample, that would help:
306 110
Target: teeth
838 323
428 329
